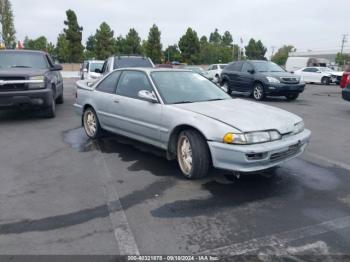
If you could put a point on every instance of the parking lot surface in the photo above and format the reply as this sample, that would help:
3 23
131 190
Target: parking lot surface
61 193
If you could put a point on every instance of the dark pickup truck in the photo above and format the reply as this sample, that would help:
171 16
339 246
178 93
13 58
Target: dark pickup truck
30 78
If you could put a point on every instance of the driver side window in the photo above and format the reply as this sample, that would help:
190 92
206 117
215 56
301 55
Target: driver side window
131 82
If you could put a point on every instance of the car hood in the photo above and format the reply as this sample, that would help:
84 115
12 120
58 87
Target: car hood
337 73
244 115
26 72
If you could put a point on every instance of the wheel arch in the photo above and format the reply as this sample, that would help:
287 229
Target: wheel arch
86 106
257 81
171 150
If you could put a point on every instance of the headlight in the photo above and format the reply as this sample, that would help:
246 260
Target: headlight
36 82
251 137
272 79
299 127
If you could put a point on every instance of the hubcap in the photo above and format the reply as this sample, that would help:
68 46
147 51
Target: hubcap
90 123
258 92
184 154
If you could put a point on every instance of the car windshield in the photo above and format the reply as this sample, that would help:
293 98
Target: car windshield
265 66
23 60
178 87
123 62
94 66
222 66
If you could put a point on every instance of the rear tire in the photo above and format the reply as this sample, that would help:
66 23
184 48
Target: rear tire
193 154
292 97
258 92
91 124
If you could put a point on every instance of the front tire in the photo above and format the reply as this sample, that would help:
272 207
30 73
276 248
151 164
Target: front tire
325 80
50 112
60 99
225 87
193 154
292 97
91 124
258 92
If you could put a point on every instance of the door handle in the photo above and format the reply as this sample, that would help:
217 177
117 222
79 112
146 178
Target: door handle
116 101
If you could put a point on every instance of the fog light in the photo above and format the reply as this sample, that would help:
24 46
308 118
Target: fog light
37 101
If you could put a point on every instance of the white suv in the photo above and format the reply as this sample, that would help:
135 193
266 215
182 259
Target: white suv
214 72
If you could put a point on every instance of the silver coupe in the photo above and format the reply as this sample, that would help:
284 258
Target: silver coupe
190 118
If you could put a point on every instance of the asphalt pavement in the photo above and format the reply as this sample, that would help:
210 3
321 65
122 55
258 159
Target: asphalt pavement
61 193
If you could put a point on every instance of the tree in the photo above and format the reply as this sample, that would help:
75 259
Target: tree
120 44
132 44
342 59
104 42
73 34
281 55
255 50
50 48
190 47
203 41
90 48
62 49
215 37
153 45
7 27
172 53
39 43
227 39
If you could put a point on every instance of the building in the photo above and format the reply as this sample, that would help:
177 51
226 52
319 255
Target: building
328 54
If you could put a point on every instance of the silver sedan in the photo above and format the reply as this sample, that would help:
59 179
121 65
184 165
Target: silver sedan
192 119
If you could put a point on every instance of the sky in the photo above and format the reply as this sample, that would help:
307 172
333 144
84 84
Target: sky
306 24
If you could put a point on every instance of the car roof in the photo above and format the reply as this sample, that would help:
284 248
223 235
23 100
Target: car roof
150 70
23 51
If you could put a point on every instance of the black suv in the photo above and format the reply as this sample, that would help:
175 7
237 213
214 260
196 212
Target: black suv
124 61
30 78
259 79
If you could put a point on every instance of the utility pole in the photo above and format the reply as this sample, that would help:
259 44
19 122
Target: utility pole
343 41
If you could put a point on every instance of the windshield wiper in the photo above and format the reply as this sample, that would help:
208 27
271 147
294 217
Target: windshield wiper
20 66
183 102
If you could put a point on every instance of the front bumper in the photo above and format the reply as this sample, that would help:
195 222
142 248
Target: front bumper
242 158
40 97
346 93
280 89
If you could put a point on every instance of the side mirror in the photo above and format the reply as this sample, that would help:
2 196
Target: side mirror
292 72
251 71
56 67
99 71
147 96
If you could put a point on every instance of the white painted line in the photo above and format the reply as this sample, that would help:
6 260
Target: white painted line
279 239
122 231
328 160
